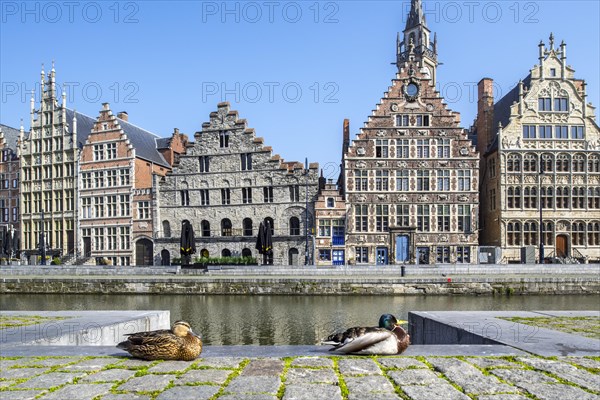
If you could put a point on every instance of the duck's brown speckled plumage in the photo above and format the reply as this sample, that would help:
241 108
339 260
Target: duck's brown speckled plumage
177 343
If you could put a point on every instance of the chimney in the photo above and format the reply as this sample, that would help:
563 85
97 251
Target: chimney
346 140
485 114
123 115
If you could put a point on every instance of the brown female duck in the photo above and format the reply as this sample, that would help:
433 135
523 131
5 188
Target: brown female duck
177 343
387 339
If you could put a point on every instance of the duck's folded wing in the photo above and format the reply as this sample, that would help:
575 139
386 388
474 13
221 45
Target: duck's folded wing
364 341
145 337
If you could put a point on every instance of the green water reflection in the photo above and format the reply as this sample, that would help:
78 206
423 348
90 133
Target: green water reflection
279 320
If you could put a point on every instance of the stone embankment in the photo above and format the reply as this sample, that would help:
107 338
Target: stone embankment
393 280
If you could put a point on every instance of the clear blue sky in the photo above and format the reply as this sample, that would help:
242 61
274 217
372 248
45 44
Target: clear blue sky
168 64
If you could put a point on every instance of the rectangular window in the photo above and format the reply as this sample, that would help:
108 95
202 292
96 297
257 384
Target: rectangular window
422 180
544 104
125 239
111 151
111 206
403 148
443 254
111 236
98 152
86 180
246 160
99 239
124 205
247 195
361 178
443 148
223 139
443 218
143 210
464 218
423 148
324 255
443 180
463 254
492 199
561 104
423 222
402 215
69 196
382 219
124 175
361 255
58 201
99 207
382 181
561 132
464 180
204 165
325 227
15 216
381 148
204 197
545 132
295 193
577 132
402 120
99 179
361 218
112 178
402 180
422 120
225 196
529 132
268 194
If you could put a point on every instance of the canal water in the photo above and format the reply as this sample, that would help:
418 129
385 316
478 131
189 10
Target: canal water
293 320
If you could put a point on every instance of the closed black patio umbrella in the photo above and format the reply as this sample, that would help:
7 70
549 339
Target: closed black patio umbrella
187 243
268 244
260 237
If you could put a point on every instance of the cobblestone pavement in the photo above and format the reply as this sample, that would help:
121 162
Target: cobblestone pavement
301 378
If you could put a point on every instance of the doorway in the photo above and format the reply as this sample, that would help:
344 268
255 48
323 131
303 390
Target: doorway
165 258
143 252
87 247
402 253
562 246
382 256
293 256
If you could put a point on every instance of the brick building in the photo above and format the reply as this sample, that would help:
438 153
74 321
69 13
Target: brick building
540 145
228 182
117 166
411 174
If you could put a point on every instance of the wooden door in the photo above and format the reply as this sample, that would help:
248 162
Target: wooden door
562 246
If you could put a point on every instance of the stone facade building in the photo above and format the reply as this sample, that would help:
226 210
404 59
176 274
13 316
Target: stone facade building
540 145
411 175
116 195
225 185
9 181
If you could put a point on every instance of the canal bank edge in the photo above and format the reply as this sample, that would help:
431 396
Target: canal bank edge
298 285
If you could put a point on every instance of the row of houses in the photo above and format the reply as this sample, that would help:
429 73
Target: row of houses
415 187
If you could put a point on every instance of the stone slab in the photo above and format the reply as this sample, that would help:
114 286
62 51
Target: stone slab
82 328
486 327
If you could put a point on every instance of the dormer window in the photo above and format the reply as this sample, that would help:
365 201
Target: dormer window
552 72
330 202
224 139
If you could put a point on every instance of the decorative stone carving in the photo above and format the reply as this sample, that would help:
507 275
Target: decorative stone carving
442 134
361 198
380 133
443 197
429 107
361 151
463 198
394 107
422 133
423 164
423 198
402 164
361 165
401 132
464 151
382 197
403 198
444 239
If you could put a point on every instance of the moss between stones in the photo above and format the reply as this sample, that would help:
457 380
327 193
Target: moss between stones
583 326
15 321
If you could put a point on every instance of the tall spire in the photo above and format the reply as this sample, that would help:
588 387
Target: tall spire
417 46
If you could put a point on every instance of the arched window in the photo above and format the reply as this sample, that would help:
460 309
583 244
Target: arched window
530 233
562 197
294 226
548 233
562 163
271 223
547 163
578 197
514 163
578 234
225 253
594 164
226 227
513 232
166 228
530 163
205 228
578 163
247 226
246 253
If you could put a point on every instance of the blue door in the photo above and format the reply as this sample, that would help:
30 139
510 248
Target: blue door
382 256
402 248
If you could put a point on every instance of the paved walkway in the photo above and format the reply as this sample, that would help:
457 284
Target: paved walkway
301 378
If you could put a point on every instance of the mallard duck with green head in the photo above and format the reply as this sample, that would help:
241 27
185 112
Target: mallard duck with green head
178 343
389 338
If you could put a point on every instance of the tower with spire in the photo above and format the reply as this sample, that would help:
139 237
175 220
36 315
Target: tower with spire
416 44
411 174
